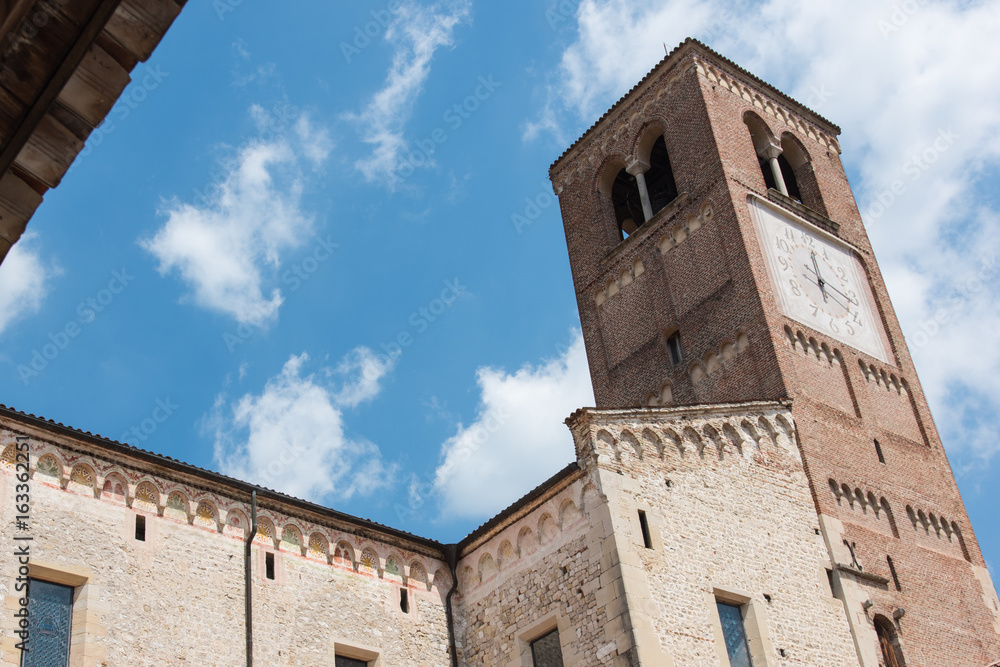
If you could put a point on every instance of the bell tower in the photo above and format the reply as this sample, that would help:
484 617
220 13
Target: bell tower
718 256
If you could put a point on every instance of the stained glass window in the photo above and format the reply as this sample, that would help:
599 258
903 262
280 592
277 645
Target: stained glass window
546 652
736 635
50 609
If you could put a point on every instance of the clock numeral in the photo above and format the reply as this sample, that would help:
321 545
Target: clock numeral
826 255
850 329
853 297
833 326
808 240
785 264
815 310
857 320
789 234
841 273
782 245
795 287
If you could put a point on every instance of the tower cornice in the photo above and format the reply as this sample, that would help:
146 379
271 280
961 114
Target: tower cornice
718 69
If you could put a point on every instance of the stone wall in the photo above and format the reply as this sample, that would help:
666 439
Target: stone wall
540 570
178 596
730 516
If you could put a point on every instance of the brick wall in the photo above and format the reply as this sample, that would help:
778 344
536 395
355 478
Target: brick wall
712 283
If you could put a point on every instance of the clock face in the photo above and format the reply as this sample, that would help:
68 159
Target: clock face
818 280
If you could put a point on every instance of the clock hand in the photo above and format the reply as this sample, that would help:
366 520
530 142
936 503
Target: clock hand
849 299
819 276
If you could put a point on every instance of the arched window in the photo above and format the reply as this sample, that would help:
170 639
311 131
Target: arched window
888 643
660 177
627 202
765 146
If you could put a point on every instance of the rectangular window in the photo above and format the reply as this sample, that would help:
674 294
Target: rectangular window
341 661
140 528
878 450
404 600
644 526
50 608
269 565
546 651
735 633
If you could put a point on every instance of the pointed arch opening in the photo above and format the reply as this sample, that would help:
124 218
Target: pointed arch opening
888 642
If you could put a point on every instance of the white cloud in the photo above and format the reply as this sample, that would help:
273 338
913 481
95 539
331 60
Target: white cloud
24 281
416 32
370 369
895 81
291 437
518 438
228 248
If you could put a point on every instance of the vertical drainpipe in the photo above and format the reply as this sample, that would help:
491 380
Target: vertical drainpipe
451 553
248 577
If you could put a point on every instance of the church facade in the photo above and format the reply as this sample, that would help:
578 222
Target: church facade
760 483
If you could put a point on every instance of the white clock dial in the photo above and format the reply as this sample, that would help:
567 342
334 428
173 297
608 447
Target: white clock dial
818 280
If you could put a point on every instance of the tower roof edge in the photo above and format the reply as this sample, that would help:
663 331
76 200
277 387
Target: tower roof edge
693 45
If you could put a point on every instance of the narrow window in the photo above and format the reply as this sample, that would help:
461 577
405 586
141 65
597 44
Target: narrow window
546 651
735 633
892 570
878 450
341 661
829 579
269 565
48 644
644 526
140 527
675 348
404 600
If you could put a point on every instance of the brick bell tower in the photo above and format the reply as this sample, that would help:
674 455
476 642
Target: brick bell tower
719 256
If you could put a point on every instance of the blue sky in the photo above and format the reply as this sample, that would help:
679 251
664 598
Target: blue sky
333 262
